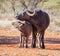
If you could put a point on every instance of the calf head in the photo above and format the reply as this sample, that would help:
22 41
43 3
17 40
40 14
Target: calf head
18 24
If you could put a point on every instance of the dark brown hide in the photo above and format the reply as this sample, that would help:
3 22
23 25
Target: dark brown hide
25 29
39 22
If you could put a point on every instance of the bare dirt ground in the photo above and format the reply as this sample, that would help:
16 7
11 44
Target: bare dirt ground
52 45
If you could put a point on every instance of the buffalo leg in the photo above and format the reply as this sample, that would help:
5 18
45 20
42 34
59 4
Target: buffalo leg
42 40
39 40
34 39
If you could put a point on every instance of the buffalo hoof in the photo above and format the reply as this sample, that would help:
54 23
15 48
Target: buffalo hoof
33 46
26 46
43 47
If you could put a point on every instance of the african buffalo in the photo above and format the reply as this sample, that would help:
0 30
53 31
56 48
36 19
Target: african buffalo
39 21
25 29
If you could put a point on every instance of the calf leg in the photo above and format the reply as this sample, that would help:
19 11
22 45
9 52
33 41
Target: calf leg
20 41
23 41
26 42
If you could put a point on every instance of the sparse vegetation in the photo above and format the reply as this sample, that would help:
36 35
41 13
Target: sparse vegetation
9 9
57 24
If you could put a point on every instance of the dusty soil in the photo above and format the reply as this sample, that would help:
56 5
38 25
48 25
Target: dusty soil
52 49
14 50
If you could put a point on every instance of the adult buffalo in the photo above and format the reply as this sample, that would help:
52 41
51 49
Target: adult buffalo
39 21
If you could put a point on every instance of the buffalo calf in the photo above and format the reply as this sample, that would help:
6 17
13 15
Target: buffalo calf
25 30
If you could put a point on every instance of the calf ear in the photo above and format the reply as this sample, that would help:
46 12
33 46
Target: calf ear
21 22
